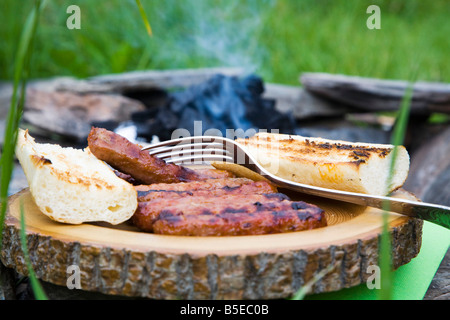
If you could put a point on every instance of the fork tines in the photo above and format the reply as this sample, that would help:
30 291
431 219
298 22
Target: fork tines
195 150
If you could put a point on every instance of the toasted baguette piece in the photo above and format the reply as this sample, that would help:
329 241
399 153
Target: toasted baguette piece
349 166
73 186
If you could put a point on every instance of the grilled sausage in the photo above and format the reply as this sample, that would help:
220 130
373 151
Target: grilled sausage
176 200
211 187
127 157
227 215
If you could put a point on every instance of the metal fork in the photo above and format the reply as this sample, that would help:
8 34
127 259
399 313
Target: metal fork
200 149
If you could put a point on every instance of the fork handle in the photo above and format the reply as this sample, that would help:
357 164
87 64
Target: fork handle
434 213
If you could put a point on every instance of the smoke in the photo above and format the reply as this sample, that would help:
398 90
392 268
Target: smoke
223 33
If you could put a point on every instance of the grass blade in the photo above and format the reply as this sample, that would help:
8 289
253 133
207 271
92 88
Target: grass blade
21 66
385 241
38 291
21 73
305 289
144 18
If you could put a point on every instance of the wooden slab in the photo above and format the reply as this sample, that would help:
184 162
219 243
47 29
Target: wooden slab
120 260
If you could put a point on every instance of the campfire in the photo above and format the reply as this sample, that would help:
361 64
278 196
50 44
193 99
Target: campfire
222 105
226 105
155 105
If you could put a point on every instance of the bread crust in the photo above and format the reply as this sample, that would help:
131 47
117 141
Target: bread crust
73 186
349 166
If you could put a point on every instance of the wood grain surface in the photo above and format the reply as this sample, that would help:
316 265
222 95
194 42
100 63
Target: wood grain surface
120 260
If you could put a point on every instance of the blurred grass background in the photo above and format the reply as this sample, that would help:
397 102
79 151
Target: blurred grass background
277 39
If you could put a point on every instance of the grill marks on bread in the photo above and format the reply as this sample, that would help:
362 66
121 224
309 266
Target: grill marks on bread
320 151
333 164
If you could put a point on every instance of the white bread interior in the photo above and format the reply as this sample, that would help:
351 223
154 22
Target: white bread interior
349 166
73 186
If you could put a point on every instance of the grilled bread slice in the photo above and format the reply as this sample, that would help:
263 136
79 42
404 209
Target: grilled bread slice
356 167
73 186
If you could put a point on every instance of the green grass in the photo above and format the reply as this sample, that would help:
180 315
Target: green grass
277 39
22 63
